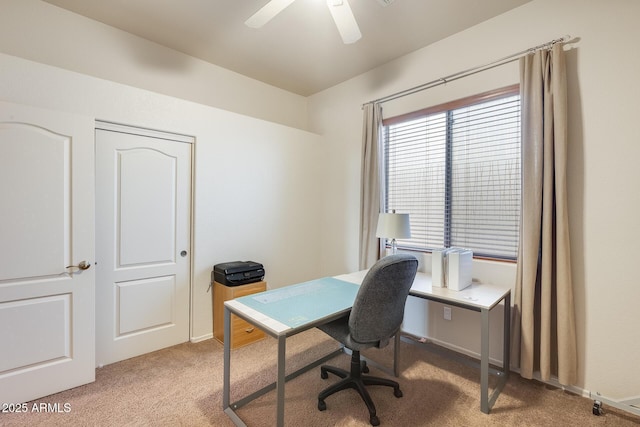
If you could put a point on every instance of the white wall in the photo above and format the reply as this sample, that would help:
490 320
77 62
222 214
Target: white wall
255 181
39 31
603 65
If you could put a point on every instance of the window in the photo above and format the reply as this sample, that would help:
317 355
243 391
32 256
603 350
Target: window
455 169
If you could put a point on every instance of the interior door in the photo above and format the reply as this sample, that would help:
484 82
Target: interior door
143 220
47 280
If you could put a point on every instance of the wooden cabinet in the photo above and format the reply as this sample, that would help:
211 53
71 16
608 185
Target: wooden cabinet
242 332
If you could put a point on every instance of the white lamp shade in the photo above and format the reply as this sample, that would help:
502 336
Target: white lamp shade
393 226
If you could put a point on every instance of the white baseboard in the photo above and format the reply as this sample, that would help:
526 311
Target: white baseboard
553 381
455 348
631 404
201 338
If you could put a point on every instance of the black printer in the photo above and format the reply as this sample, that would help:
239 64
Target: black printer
237 273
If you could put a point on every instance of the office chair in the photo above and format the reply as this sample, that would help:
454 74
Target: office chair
375 318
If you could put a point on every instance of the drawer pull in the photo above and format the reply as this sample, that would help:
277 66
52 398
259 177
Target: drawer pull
249 330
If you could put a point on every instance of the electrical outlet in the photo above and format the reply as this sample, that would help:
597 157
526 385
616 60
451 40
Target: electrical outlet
447 313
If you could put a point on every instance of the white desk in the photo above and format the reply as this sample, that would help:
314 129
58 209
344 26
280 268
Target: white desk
287 311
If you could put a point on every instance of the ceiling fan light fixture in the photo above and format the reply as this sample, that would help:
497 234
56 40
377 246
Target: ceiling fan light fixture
267 13
345 21
340 11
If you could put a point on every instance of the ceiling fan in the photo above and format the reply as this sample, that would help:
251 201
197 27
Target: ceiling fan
340 11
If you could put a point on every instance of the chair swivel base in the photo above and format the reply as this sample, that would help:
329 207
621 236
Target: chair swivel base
354 379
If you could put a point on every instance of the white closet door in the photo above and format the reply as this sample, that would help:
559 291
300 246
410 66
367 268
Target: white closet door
143 219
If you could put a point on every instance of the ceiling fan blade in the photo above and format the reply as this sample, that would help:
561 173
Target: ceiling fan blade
345 21
267 13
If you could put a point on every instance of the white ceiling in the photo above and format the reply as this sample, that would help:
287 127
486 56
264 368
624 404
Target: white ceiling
300 50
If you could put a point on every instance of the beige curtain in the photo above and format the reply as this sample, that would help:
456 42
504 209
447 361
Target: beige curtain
370 198
544 321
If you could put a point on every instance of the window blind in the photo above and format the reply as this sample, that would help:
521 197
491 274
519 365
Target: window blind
456 171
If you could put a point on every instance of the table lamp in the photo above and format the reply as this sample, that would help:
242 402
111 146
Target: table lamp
393 226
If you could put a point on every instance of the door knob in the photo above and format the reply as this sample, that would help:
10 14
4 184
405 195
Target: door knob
83 265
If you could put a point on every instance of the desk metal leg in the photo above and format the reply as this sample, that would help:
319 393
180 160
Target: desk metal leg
226 384
484 363
486 400
506 340
227 359
281 379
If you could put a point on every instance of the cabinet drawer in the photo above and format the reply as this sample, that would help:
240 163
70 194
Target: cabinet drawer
242 332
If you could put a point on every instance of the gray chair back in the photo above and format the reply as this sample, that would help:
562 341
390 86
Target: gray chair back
378 309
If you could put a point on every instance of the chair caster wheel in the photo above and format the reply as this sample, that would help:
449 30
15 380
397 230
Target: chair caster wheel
321 405
374 420
397 392
365 368
323 374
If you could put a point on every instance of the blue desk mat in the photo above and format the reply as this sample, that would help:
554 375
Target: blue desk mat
306 302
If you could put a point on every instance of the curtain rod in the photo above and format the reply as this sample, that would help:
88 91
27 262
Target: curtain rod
469 72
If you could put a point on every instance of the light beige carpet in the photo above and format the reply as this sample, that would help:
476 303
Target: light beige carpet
182 386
